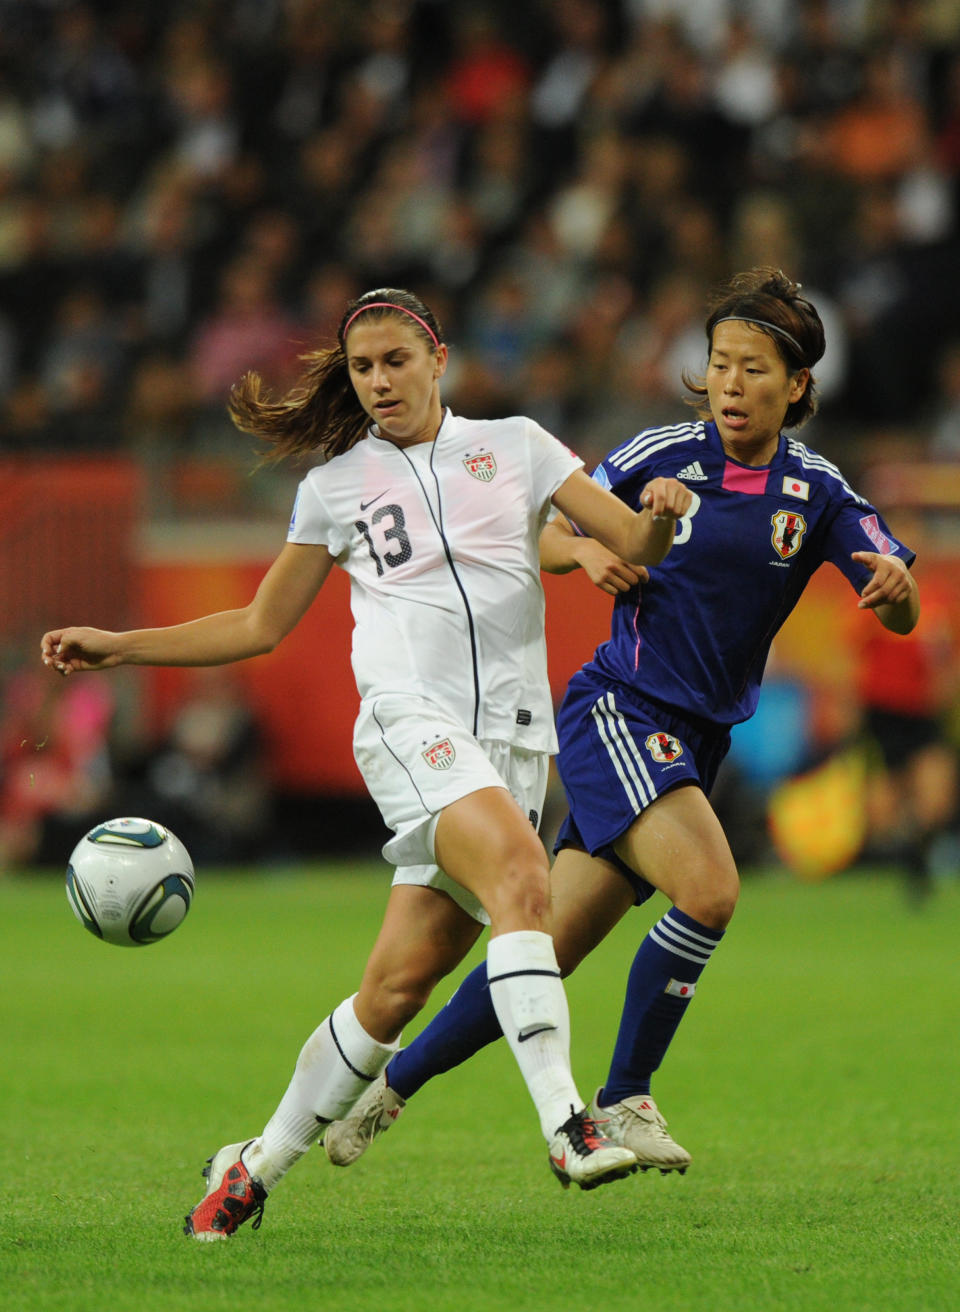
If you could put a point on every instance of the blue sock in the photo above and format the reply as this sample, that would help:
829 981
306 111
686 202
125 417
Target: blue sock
465 1025
662 981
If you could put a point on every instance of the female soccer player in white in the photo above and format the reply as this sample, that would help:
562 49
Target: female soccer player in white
645 724
436 519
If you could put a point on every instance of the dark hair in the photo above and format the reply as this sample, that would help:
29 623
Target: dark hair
321 413
768 300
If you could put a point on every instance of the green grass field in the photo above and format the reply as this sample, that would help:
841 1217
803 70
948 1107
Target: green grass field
815 1081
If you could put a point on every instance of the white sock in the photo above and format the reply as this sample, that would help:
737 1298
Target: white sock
336 1064
531 1006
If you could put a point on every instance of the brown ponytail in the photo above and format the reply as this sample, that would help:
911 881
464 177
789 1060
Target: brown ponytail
321 415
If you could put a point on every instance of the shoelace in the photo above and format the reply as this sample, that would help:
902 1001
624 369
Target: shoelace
248 1204
583 1134
247 1210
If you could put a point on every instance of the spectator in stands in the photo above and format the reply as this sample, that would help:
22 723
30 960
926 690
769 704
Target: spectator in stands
205 778
882 131
945 416
55 767
248 323
486 76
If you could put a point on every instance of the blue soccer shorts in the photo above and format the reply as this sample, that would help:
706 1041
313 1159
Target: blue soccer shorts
618 754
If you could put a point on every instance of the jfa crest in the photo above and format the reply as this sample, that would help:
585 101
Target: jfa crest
788 531
441 755
663 747
483 466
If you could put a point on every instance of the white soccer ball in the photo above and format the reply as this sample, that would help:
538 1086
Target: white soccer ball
130 881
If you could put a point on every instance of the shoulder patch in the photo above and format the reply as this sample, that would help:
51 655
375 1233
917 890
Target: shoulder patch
871 526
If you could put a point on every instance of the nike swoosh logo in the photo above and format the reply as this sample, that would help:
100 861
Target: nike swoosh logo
544 1029
560 1161
365 505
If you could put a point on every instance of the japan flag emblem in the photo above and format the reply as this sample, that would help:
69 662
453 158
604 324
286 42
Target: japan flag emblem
788 531
482 466
441 755
663 747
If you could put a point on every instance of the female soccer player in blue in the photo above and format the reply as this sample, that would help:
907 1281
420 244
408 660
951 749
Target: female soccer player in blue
645 724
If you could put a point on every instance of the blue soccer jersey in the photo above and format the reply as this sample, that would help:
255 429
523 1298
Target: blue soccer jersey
697 635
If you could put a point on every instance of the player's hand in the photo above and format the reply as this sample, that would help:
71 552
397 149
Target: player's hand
69 650
667 498
891 583
607 571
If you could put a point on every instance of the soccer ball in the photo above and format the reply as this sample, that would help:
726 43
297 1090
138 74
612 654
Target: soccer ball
130 881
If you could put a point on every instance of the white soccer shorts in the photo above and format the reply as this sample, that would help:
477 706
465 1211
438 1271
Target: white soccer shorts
415 761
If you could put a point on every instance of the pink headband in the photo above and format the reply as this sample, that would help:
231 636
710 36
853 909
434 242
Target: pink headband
389 305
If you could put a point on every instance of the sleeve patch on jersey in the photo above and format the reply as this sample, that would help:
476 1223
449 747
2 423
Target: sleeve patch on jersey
796 487
875 533
601 476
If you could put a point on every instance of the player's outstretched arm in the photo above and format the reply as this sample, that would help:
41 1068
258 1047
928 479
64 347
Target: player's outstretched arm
642 538
562 550
892 593
287 589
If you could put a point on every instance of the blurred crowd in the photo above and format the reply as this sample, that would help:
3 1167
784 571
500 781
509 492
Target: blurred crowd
72 754
189 190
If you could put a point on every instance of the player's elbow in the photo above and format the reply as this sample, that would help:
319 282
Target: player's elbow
655 554
267 643
262 636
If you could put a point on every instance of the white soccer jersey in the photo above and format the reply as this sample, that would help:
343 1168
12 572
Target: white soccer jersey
440 542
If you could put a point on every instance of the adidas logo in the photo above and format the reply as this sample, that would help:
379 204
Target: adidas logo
693 473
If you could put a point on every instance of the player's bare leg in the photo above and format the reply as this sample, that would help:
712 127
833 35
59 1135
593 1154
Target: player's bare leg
395 987
397 981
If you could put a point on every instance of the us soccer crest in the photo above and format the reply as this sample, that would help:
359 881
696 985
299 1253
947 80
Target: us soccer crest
663 747
788 531
441 755
482 466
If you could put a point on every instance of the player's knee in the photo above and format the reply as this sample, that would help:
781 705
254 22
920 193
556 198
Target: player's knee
521 890
711 902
